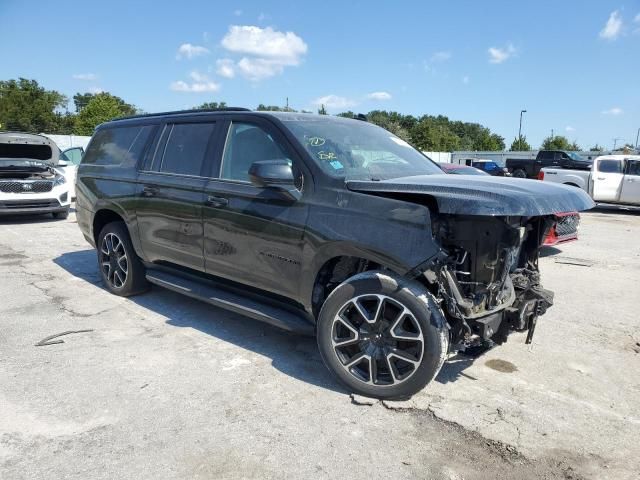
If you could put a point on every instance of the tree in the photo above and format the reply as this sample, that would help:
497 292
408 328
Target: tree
520 144
596 148
80 100
28 107
322 110
558 143
101 108
211 106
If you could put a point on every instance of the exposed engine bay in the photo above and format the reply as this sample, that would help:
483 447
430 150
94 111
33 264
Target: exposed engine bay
487 277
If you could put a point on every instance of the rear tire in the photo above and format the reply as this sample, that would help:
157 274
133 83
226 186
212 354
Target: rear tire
121 269
382 335
519 173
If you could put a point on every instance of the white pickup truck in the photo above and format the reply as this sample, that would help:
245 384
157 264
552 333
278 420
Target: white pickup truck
612 179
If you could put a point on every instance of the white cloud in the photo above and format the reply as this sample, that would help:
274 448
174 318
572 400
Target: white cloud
187 50
499 55
569 129
613 111
466 79
637 18
265 42
225 68
85 76
265 52
201 83
334 102
256 69
96 90
441 56
613 28
379 96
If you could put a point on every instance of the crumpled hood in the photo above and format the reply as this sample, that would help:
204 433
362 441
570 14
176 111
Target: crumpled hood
484 195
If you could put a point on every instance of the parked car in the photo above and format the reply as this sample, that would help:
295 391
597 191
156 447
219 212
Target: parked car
565 228
69 161
31 181
613 179
488 166
526 168
456 169
320 225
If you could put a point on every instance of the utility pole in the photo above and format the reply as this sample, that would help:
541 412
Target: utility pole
637 135
615 142
287 107
520 131
552 134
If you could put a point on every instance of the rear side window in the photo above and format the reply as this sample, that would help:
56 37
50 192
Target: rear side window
633 167
610 166
186 147
117 146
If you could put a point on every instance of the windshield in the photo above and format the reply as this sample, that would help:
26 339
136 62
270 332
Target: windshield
466 171
353 149
576 157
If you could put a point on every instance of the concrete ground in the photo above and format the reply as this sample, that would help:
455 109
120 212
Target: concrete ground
163 386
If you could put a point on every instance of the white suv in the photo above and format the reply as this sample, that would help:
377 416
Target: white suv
31 181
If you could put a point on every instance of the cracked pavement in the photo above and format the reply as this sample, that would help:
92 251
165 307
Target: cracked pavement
167 387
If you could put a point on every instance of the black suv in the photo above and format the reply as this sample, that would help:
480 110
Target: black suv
321 225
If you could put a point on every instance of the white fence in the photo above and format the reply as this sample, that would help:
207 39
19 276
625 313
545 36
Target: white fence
68 141
440 157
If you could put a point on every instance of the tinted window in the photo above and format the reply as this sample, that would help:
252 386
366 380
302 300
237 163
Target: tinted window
186 146
633 167
546 155
610 166
117 146
247 143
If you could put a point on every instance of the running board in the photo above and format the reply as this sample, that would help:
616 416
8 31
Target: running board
222 298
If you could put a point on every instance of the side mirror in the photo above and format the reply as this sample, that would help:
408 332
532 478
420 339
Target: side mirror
63 163
276 175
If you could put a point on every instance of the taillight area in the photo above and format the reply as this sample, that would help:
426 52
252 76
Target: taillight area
540 175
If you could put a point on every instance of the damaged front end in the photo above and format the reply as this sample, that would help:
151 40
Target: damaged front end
487 277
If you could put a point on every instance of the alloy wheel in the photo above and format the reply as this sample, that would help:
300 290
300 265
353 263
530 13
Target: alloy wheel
377 340
113 260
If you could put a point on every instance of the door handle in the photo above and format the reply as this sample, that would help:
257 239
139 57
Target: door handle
149 191
601 178
217 202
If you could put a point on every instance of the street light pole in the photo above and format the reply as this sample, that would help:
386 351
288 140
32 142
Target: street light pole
637 135
520 130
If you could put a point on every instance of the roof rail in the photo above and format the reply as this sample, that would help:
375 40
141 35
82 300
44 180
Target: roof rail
194 110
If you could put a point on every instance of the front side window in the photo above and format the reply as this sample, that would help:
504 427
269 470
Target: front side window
186 147
247 143
353 149
610 166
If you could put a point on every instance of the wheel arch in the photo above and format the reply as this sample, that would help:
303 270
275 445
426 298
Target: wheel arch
335 264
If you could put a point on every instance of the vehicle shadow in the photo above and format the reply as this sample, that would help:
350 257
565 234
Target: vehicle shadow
294 355
616 209
23 219
547 251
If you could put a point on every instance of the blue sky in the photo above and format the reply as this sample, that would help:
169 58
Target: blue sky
573 65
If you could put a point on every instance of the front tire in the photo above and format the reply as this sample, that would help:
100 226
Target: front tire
382 335
122 271
61 215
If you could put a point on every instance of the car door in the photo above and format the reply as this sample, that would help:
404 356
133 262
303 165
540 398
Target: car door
171 193
254 235
607 179
631 183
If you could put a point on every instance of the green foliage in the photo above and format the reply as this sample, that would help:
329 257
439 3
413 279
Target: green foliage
28 107
211 106
80 100
322 110
559 143
520 145
435 133
596 148
101 108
